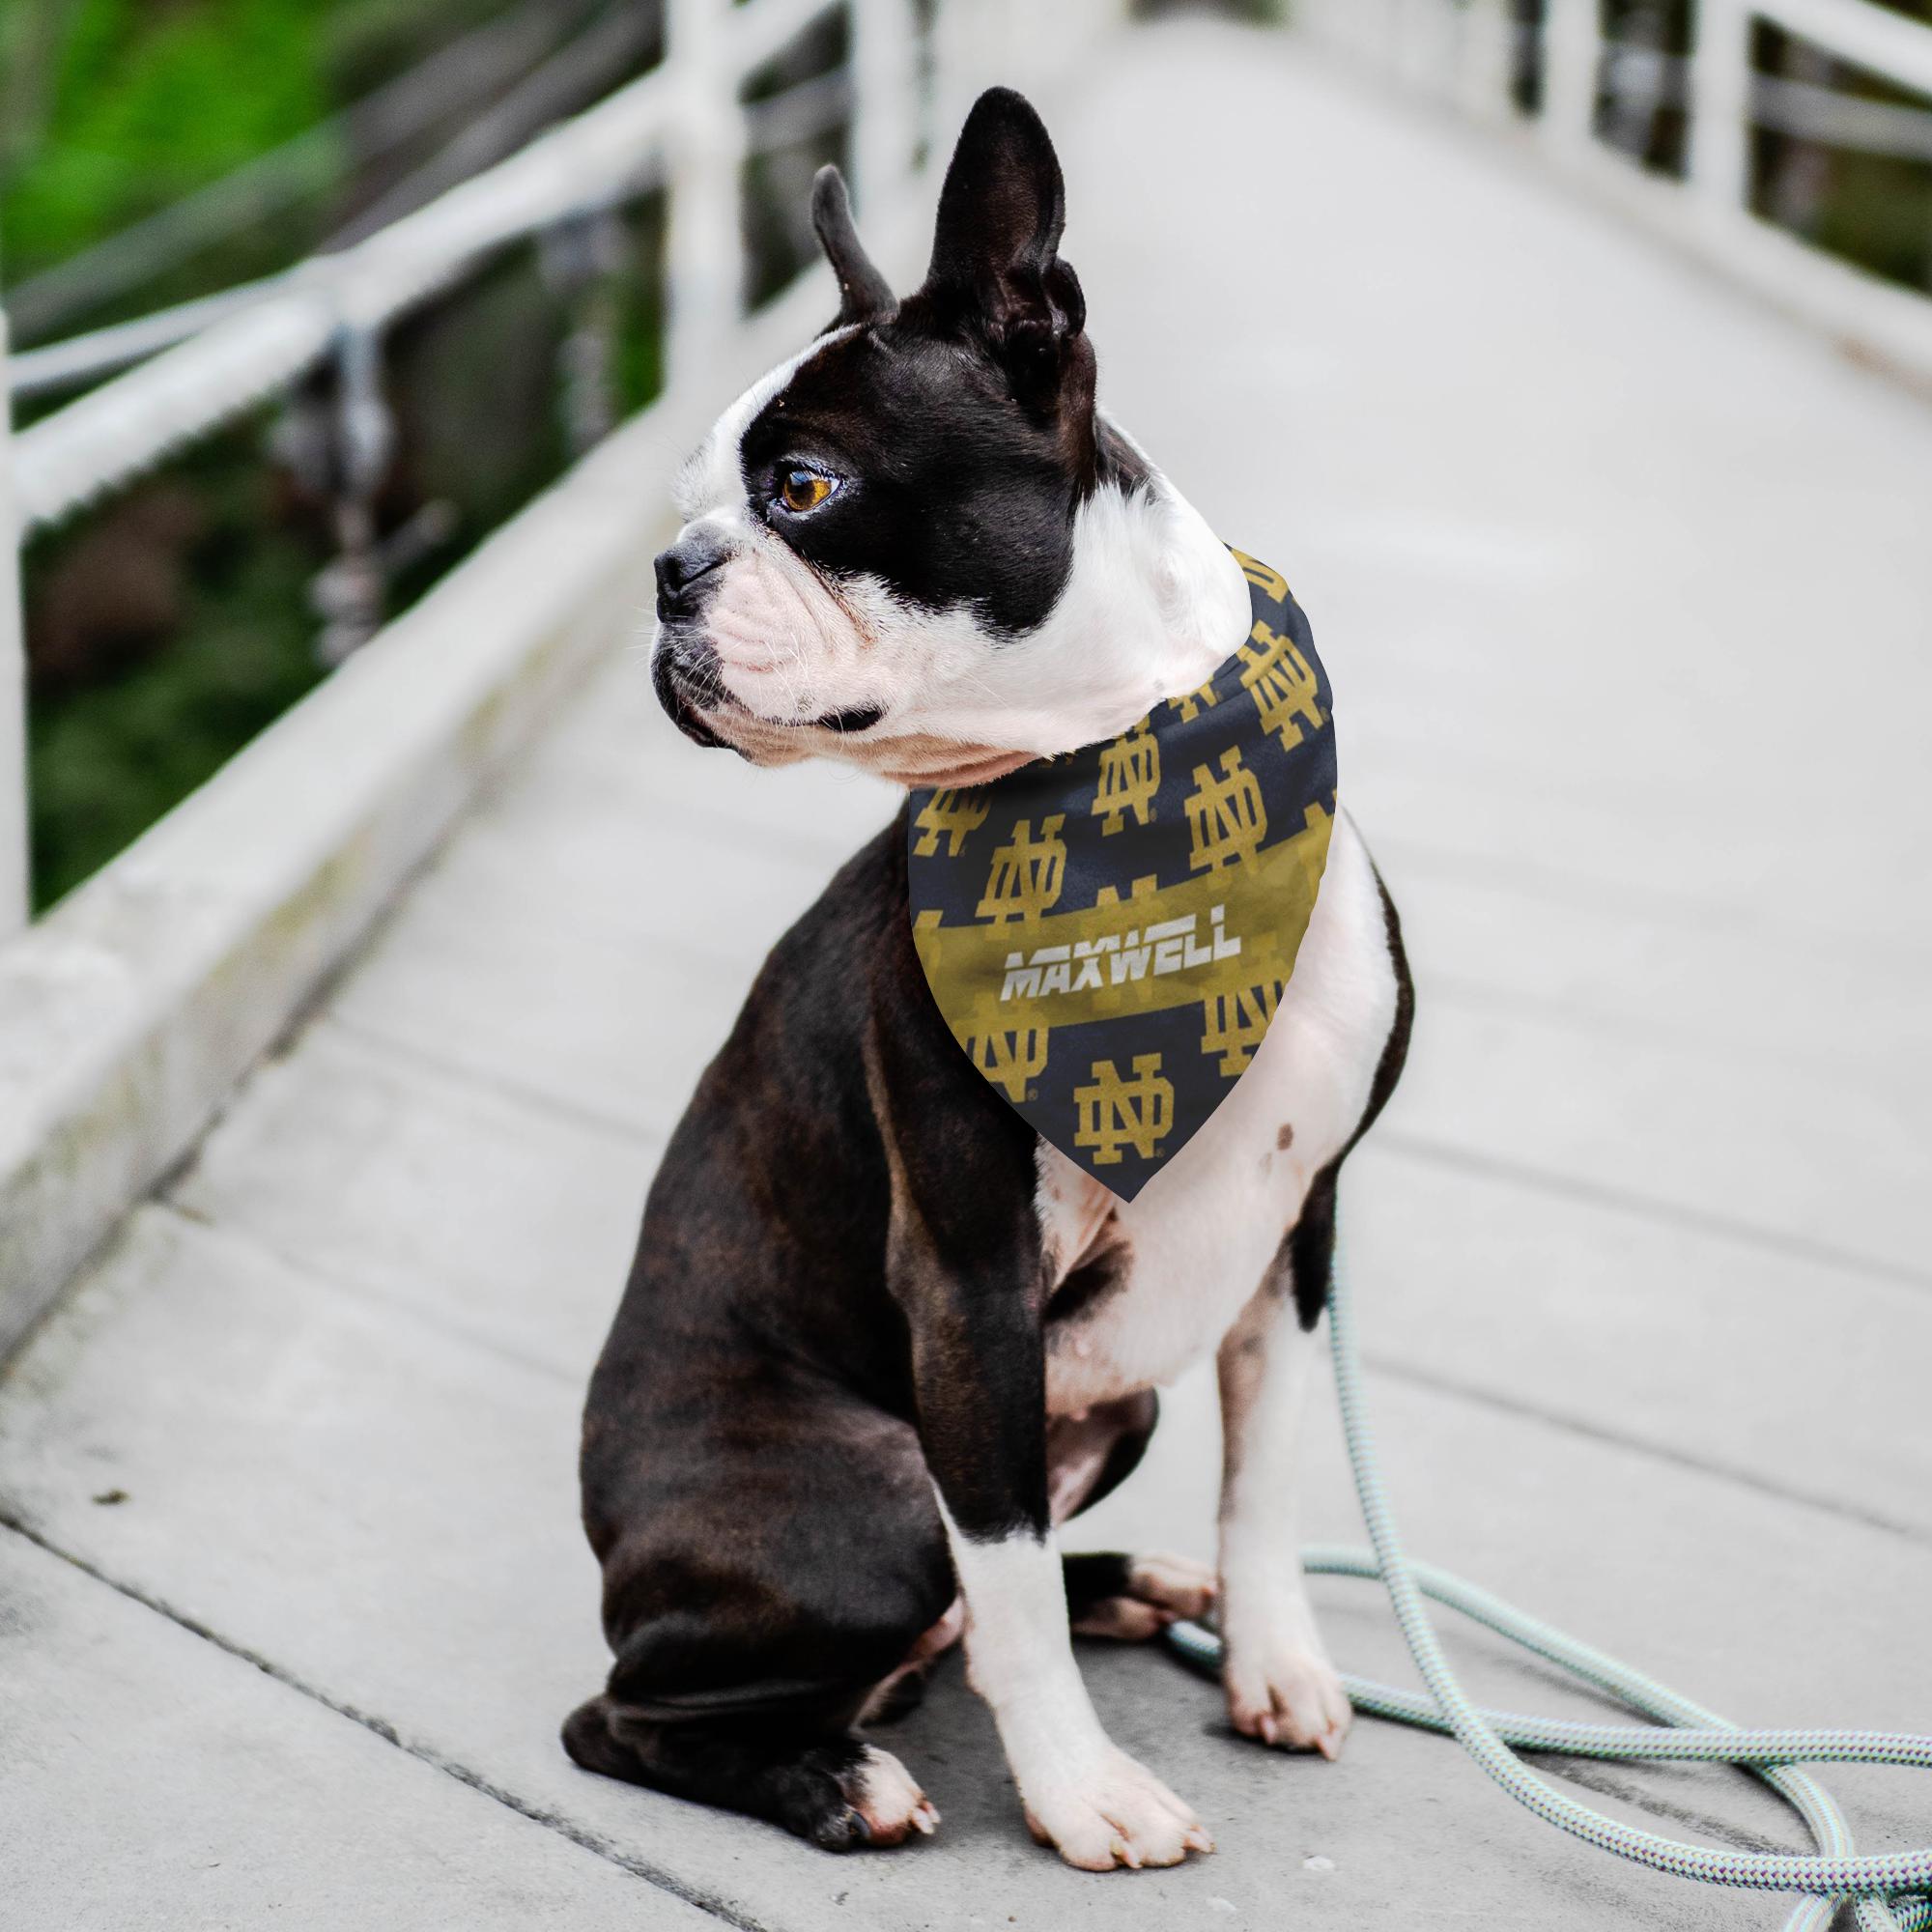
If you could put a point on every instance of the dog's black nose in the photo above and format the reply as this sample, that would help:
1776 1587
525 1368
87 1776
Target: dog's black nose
681 568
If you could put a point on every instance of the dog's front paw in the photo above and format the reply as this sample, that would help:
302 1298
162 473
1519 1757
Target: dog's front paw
1287 1693
1117 1813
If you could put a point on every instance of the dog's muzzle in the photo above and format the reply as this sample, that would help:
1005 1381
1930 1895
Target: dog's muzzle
684 674
683 666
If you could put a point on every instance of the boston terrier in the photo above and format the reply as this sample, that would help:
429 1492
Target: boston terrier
881 1338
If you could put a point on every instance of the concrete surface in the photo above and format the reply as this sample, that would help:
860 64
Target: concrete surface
1624 589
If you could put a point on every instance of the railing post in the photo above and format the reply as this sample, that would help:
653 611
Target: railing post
1719 168
885 113
703 253
349 592
12 683
1572 51
1485 60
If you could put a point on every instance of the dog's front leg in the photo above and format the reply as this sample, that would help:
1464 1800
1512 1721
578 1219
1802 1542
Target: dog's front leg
973 1304
1279 1684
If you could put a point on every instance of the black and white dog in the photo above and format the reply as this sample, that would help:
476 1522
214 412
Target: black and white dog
880 1338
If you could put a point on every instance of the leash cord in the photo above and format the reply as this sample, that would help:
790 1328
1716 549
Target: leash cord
1878 1887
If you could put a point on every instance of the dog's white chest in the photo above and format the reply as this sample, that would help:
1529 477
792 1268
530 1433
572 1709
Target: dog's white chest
1144 1288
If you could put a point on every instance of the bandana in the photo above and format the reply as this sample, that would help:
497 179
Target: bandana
1108 934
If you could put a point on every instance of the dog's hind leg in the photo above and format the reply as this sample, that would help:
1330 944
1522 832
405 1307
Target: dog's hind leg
1111 1595
1132 1598
765 1568
817 1780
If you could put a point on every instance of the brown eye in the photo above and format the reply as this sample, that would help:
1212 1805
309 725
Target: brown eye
803 489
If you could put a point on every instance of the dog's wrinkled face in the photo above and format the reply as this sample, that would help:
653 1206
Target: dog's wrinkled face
916 546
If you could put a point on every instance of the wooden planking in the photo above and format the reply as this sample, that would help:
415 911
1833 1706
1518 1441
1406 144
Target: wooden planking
147 1779
512 1217
584 1031
442 1589
391 1175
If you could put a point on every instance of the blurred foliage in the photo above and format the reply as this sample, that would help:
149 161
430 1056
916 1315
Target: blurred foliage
173 623
112 109
116 107
108 754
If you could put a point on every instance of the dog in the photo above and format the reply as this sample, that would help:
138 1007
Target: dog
880 1338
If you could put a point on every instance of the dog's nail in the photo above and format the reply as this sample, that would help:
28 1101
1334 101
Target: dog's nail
926 1820
1126 1854
1267 1727
1198 1839
1329 1744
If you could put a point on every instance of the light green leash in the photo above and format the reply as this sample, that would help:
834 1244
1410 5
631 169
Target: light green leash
1881 1888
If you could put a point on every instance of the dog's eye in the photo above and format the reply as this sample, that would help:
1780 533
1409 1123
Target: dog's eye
801 490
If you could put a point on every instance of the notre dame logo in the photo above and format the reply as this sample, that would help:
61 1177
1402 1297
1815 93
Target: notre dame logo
1236 1023
1117 1113
1130 779
1262 577
952 815
1010 1060
1226 818
1282 683
1027 874
1189 704
1142 888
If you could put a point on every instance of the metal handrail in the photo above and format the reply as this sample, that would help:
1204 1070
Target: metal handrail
682 125
1472 52
611 151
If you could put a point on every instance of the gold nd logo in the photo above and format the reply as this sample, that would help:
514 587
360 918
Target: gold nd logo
1260 576
1281 682
1010 1060
1236 1023
1189 704
1129 778
1027 875
952 815
1117 1113
1226 818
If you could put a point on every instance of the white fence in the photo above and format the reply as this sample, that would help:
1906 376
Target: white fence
682 126
1468 53
129 1012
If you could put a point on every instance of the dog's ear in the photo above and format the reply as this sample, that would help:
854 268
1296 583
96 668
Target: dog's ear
863 292
995 250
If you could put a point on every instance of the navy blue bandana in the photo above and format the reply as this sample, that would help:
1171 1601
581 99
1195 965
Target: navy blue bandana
1108 934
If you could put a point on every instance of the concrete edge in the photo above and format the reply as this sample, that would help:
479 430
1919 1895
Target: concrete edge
131 1010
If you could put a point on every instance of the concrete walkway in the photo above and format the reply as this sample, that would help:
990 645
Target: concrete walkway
1626 591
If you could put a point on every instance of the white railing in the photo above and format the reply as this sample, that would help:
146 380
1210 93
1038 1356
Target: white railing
681 127
1471 53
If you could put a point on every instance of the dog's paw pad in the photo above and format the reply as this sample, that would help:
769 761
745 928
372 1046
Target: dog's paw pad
1118 1814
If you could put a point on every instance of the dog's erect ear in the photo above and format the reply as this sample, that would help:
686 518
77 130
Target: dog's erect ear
994 248
863 292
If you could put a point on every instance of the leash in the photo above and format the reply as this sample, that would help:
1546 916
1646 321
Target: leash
1882 1888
